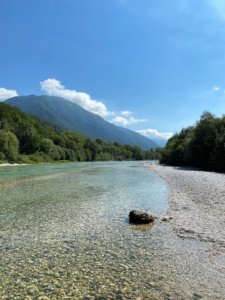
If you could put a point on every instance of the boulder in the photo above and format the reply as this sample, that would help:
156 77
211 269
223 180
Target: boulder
141 217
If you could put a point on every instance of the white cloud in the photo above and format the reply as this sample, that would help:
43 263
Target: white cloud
216 88
126 113
53 87
155 133
125 118
6 94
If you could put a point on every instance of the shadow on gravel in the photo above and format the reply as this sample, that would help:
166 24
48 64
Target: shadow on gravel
187 168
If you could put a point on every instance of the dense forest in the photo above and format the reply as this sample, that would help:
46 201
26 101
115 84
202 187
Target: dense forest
24 138
201 146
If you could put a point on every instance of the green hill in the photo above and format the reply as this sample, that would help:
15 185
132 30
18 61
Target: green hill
23 138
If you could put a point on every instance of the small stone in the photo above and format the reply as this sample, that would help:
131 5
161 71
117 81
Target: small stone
197 296
152 284
32 289
166 218
18 281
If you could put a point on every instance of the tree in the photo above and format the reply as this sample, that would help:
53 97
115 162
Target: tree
9 145
201 146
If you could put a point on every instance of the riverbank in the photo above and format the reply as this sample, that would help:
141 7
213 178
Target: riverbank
196 203
12 165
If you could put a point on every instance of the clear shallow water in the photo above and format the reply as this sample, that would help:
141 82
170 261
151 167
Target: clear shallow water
64 234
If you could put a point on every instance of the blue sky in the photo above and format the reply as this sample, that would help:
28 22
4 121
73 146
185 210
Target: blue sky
151 65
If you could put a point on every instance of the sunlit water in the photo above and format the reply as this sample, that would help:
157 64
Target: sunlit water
65 234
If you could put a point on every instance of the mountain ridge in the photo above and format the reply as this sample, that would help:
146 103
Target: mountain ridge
70 116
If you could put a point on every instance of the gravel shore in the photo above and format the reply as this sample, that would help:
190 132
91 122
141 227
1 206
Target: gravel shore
11 165
197 207
196 203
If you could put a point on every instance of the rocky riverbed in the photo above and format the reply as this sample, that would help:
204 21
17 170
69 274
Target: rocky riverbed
196 203
197 208
65 234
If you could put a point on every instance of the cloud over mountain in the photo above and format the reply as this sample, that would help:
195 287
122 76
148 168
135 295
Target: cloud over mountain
125 118
155 133
6 94
53 87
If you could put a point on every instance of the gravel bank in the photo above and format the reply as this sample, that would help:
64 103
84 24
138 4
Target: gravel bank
11 165
196 203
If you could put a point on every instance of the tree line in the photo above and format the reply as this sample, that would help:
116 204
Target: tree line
201 145
24 138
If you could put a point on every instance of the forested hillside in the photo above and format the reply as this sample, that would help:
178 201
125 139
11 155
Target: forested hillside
72 117
24 138
202 145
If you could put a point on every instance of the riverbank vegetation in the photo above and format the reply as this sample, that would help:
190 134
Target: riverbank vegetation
201 145
25 139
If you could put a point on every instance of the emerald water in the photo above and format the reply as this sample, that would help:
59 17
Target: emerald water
64 234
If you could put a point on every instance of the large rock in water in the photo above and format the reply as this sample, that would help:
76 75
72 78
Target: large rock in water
141 217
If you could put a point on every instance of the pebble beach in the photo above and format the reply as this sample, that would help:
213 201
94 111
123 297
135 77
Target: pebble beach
196 203
197 213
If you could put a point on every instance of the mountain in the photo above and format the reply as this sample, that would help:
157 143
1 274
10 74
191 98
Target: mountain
160 142
71 116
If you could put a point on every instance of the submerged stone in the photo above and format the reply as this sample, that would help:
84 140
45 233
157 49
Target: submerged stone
141 217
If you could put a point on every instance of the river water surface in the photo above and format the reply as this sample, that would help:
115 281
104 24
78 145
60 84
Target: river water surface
64 234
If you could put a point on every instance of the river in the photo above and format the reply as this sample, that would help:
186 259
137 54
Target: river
65 234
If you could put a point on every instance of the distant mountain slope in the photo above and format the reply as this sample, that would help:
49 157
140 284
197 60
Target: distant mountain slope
71 116
159 141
